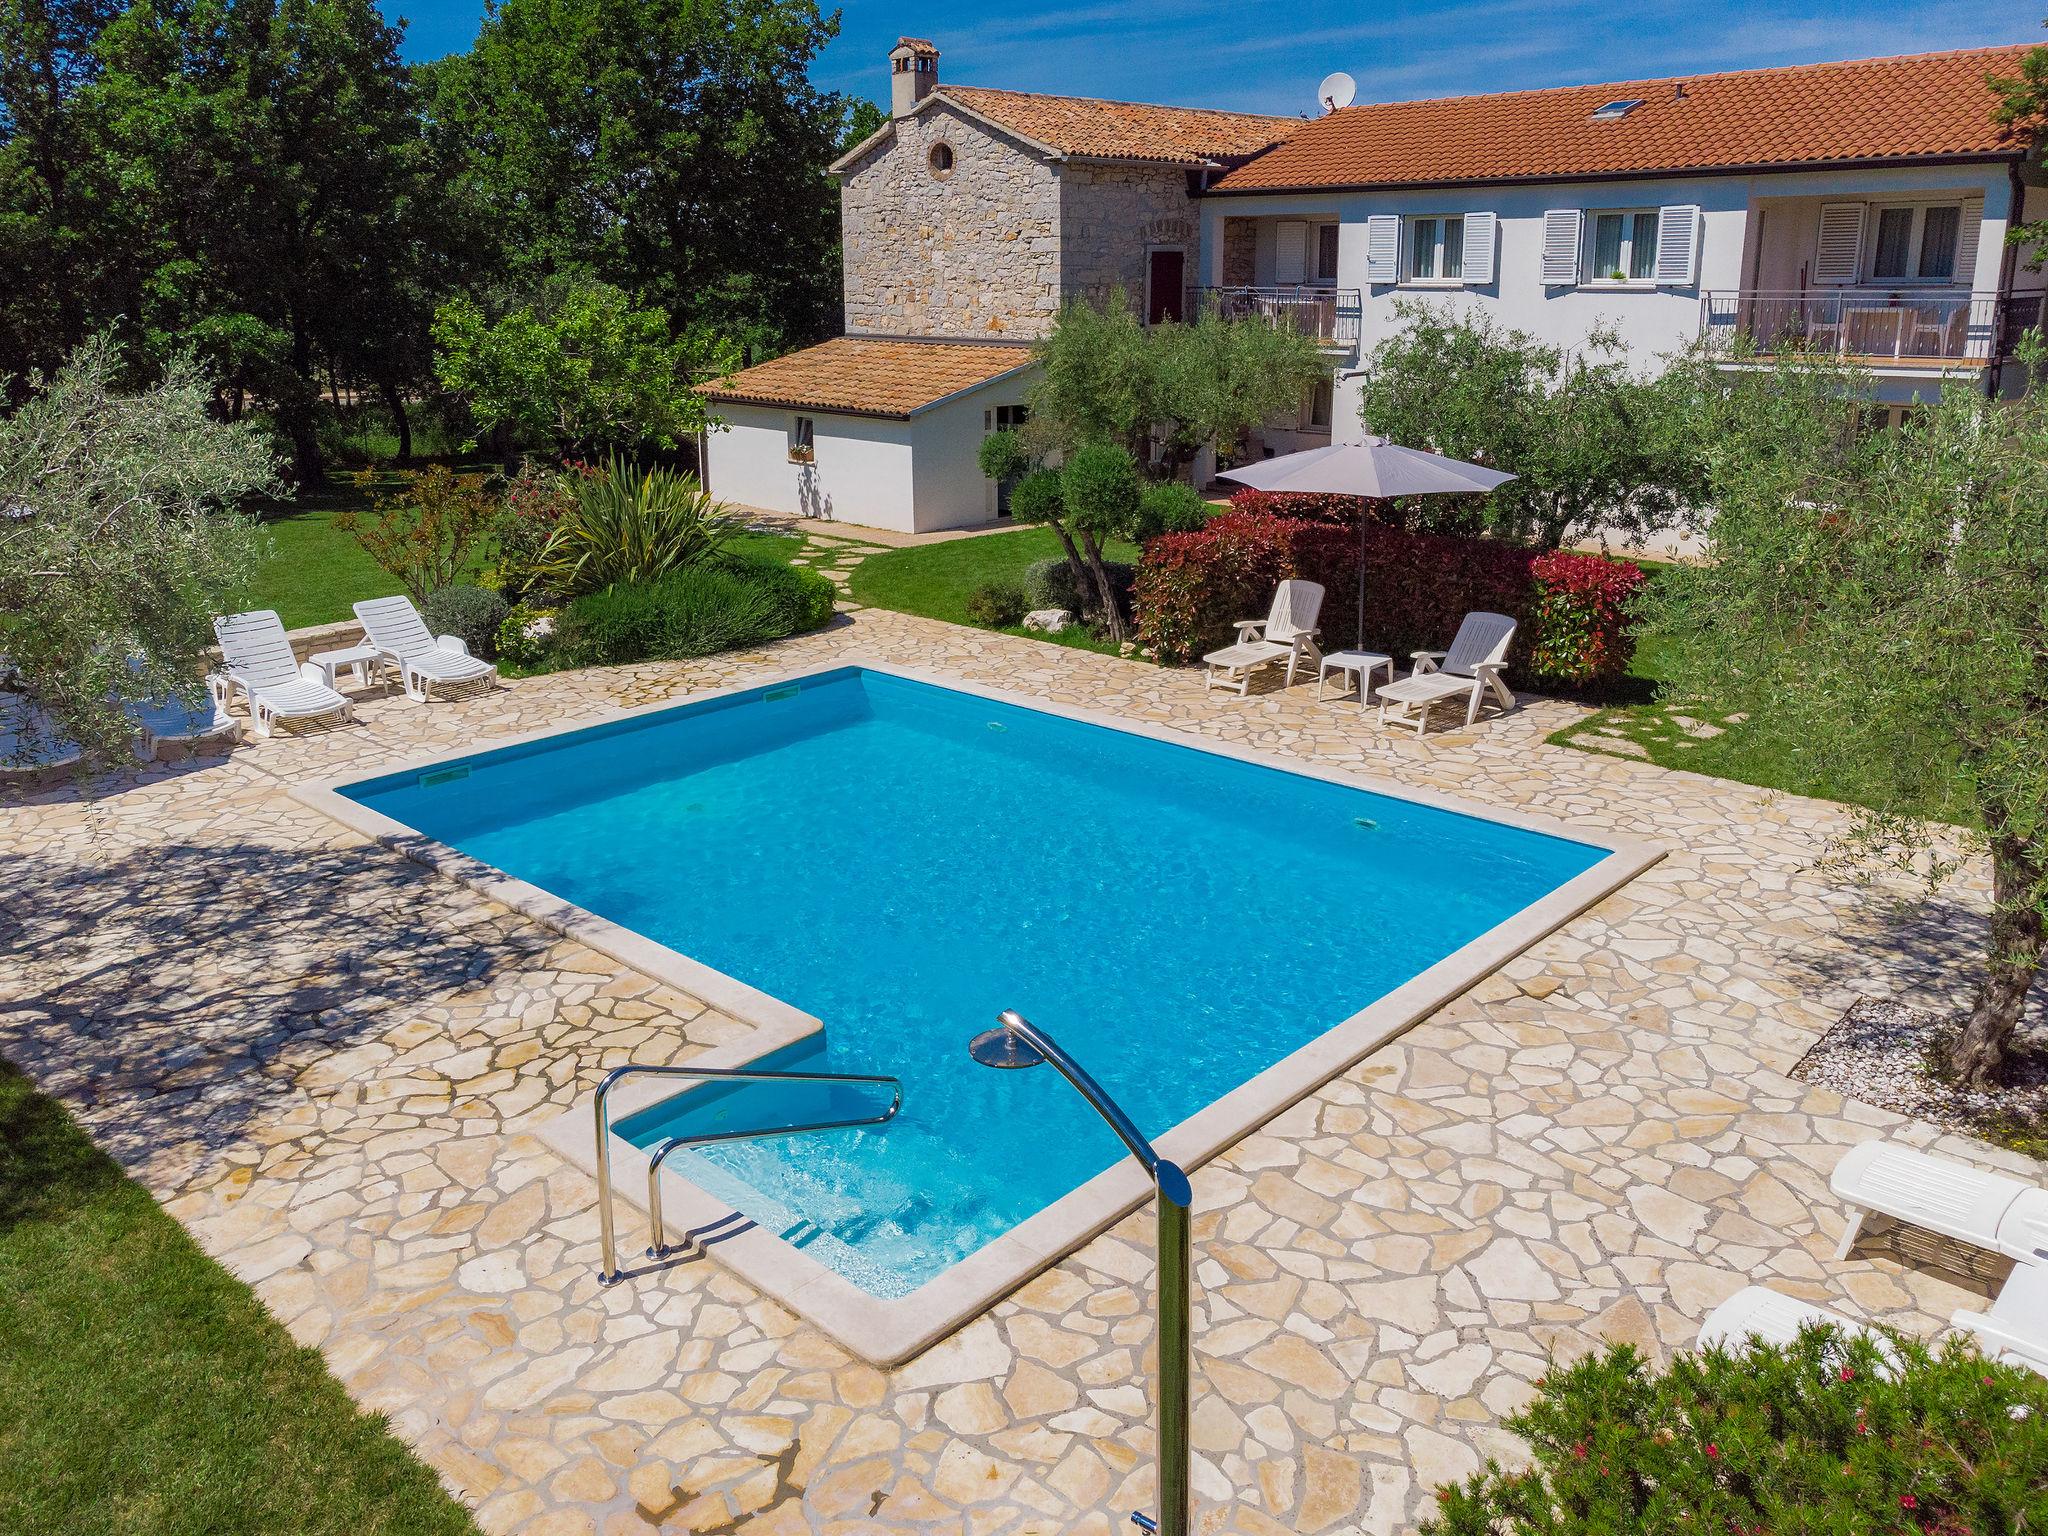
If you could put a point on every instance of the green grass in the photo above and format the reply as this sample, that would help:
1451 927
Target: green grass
144 1390
935 580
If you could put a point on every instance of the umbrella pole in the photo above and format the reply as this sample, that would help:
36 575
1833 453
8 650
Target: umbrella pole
1358 634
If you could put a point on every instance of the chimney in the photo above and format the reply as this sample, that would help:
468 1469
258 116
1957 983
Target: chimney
913 72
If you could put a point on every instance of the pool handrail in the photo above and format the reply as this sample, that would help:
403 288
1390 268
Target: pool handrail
609 1272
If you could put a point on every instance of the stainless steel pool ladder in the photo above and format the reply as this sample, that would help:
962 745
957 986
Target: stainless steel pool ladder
658 1246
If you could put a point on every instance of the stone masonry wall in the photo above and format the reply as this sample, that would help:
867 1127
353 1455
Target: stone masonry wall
1110 214
1240 253
972 254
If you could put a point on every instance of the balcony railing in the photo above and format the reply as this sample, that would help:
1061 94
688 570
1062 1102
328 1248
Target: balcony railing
1328 315
1872 325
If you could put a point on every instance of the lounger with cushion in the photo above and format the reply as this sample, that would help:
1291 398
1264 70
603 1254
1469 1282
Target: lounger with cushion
1287 633
2015 1330
1758 1312
1470 669
1954 1199
423 660
257 659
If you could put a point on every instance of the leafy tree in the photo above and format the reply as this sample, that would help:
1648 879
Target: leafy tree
1100 495
272 184
119 540
1593 447
1035 496
582 370
47 246
1163 391
1873 600
674 148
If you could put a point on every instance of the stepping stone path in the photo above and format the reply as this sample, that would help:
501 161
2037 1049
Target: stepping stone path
834 557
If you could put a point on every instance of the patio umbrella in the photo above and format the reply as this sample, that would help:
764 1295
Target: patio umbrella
1373 468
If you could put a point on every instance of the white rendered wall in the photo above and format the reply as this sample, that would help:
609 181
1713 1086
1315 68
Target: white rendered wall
1652 322
951 490
862 472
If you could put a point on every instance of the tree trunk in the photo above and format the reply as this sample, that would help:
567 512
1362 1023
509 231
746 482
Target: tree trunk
2019 946
1083 580
394 402
1112 613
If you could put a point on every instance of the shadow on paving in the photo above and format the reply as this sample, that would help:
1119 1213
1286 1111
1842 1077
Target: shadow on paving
172 993
1929 953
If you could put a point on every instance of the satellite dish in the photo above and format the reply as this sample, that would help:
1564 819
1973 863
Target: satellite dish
1336 91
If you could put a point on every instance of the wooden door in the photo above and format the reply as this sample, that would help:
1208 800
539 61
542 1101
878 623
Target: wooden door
1165 286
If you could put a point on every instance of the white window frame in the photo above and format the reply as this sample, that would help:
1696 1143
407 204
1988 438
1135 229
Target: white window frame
1436 280
1590 274
1912 278
1323 391
803 439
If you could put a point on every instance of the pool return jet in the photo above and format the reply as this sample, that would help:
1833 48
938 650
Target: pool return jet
1020 1043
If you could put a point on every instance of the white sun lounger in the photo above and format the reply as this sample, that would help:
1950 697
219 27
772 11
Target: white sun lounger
2015 1330
1471 667
257 658
1287 633
1958 1201
400 635
1758 1312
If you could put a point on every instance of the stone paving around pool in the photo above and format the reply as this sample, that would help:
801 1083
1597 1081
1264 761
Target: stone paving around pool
328 1062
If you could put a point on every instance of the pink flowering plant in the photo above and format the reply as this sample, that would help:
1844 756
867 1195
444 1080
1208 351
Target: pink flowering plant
1821 1437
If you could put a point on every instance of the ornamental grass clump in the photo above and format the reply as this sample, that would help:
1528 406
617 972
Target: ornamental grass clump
1818 1436
628 526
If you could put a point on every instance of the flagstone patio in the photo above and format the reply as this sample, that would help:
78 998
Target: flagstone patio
327 1063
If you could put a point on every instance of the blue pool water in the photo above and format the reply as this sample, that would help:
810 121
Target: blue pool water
904 860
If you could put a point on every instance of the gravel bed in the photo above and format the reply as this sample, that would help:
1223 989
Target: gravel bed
1880 1052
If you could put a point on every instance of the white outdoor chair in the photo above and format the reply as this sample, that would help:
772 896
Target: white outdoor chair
1288 633
1471 668
257 659
2015 1330
1758 1312
1968 1204
423 660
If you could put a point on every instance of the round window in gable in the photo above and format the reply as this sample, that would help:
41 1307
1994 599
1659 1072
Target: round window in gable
941 160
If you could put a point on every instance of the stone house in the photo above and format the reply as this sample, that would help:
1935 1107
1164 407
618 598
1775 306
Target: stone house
1860 207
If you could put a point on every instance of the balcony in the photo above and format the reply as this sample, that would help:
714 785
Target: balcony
1873 327
1329 316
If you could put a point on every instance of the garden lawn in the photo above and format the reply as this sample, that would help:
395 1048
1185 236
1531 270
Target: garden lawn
936 580
145 1390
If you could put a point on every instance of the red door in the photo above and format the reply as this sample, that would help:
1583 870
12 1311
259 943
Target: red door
1165 291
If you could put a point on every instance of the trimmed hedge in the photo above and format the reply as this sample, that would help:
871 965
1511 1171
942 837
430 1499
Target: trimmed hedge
695 611
1583 606
1192 587
1315 506
1812 1438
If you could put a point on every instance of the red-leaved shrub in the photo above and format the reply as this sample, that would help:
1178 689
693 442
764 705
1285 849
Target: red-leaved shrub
1192 587
1314 506
1583 605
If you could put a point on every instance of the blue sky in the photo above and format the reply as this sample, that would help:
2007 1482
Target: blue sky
1231 53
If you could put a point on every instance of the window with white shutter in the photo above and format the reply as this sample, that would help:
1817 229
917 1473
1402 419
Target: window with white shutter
1479 243
1838 258
1383 248
1561 229
1966 246
1678 246
1290 251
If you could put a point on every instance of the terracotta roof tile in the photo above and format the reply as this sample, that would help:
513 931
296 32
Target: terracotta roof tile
1922 105
1124 130
867 376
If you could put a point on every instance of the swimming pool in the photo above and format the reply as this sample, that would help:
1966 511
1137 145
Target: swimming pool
901 860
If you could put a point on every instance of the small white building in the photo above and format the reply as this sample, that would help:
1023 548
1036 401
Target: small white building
880 431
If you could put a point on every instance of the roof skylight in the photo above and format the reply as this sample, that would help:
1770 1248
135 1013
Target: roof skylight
1616 109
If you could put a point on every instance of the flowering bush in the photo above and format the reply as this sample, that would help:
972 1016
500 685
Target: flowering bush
536 499
1583 604
431 532
1812 1437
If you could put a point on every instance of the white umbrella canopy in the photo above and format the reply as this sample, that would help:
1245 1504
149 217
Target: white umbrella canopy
1372 468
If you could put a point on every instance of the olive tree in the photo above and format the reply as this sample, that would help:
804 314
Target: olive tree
1875 601
1592 446
119 540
